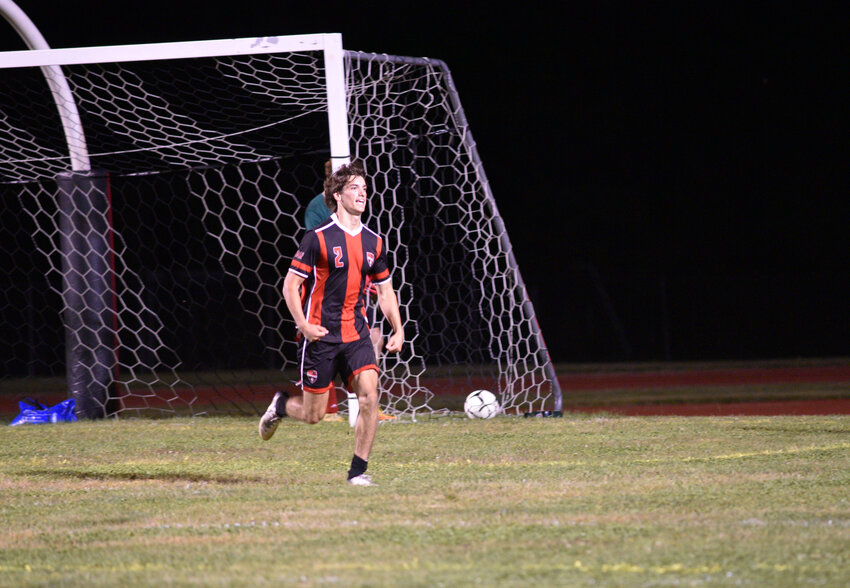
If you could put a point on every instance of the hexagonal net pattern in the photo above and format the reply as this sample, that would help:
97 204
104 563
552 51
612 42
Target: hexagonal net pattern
161 269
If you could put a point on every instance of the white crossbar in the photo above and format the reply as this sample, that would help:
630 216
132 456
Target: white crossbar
181 50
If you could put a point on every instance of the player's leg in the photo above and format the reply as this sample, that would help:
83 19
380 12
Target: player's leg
365 386
361 372
308 407
377 339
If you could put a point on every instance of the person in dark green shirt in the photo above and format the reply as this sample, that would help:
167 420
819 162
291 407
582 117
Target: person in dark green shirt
317 211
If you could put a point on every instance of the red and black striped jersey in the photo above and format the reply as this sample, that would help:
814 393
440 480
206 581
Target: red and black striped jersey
338 263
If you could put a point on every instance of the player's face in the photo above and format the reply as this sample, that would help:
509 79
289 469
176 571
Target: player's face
353 196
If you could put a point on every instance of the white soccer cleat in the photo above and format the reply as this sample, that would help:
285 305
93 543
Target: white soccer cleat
270 420
361 480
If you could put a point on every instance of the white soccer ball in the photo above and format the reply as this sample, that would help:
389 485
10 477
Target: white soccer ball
481 404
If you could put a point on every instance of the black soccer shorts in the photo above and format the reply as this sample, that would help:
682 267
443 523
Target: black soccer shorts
321 362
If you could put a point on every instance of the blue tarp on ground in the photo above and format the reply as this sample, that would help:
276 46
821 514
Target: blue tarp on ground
35 413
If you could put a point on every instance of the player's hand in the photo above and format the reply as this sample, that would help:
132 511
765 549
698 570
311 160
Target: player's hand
313 332
395 342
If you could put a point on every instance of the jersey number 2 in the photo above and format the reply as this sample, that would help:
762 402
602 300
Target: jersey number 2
338 257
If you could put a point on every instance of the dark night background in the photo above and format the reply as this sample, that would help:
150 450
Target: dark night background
673 175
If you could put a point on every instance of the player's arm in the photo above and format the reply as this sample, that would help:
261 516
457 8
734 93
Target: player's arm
291 285
388 301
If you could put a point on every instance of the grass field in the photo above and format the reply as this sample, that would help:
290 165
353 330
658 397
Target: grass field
579 501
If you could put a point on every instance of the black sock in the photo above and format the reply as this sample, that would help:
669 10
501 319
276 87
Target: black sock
358 466
280 407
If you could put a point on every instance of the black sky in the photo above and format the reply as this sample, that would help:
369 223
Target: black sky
673 174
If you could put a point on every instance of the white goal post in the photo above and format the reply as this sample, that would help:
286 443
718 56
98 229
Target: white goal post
159 268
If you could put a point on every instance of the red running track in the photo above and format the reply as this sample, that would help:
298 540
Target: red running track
589 381
705 377
583 382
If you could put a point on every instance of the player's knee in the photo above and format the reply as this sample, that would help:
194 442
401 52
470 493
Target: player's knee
368 400
366 384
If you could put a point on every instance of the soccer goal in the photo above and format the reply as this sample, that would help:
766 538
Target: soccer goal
151 208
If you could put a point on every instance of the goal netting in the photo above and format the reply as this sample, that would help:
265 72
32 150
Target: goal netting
152 280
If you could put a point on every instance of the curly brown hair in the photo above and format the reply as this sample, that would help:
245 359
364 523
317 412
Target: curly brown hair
335 182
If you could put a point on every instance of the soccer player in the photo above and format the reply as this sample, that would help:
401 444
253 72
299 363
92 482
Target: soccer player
339 255
317 213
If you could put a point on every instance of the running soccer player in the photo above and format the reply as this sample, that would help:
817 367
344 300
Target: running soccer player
339 255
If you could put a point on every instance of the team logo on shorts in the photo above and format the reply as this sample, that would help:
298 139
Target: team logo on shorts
312 376
370 258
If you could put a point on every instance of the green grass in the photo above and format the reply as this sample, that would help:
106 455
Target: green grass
579 501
